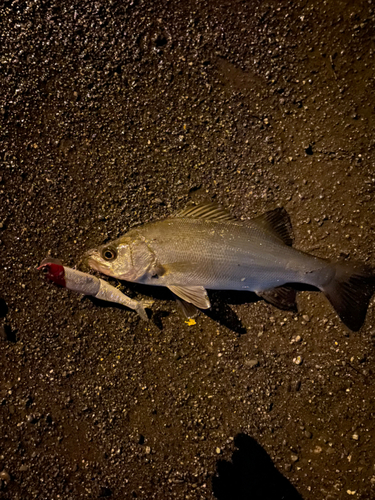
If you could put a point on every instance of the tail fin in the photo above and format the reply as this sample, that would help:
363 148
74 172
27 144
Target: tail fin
350 292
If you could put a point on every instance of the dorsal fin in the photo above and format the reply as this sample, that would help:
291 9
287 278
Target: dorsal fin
208 211
276 222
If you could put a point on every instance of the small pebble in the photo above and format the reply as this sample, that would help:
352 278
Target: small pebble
298 360
306 318
355 436
308 434
218 451
4 476
298 338
148 450
251 363
294 458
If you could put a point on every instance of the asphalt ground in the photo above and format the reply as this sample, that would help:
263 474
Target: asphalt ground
115 113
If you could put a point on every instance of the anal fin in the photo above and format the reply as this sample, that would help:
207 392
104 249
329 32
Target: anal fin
282 297
195 295
187 309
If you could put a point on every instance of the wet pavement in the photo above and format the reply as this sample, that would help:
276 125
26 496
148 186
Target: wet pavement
113 114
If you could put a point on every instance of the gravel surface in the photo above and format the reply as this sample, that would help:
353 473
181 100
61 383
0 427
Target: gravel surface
116 113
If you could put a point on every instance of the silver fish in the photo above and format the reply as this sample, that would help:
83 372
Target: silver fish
204 247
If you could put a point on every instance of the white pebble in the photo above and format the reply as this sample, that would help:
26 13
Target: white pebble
298 360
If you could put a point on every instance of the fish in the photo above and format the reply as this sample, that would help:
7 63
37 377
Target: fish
204 248
88 284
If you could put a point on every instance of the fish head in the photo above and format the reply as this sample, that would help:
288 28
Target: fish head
53 271
113 259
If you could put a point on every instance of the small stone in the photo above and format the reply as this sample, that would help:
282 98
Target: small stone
251 363
24 468
355 436
308 434
294 458
4 476
318 449
306 318
148 450
218 450
298 360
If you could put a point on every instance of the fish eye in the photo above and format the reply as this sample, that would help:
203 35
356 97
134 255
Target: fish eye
45 269
109 254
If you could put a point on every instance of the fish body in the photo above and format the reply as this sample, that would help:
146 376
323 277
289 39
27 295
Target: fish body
87 284
220 255
205 248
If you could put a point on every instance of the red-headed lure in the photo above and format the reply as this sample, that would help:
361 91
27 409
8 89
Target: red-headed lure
89 285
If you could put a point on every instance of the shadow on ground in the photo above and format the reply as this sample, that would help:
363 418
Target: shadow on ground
251 475
221 300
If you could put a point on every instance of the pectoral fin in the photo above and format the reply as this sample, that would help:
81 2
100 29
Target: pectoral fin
195 295
282 297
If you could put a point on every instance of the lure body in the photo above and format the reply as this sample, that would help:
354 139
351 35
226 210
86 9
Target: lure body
88 284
